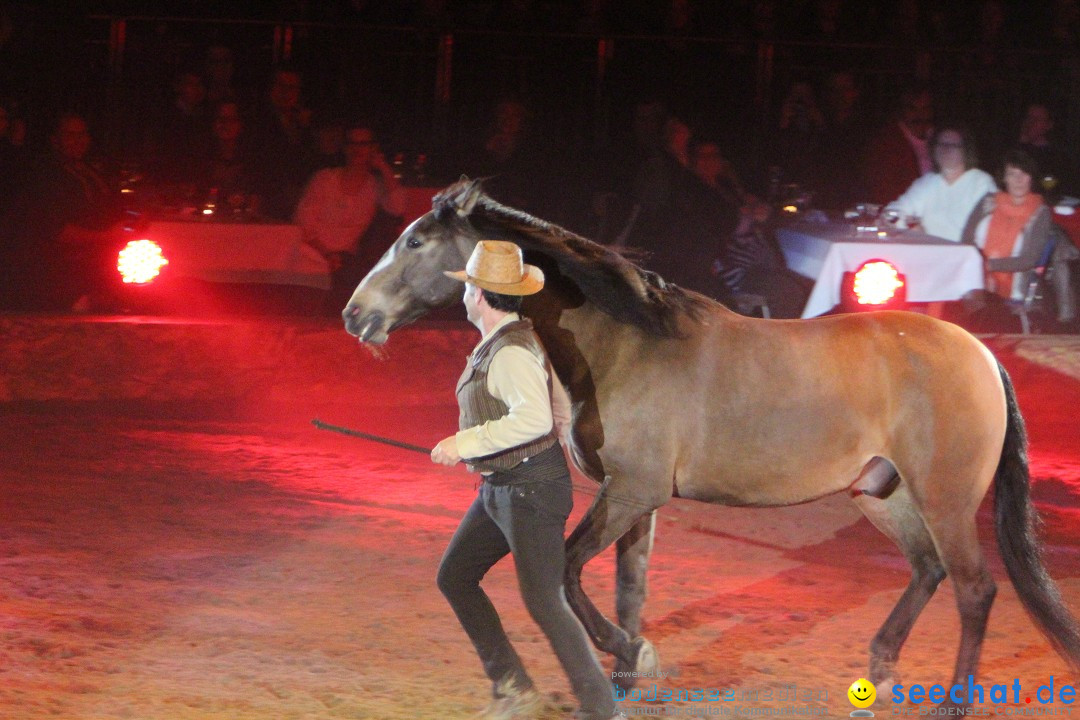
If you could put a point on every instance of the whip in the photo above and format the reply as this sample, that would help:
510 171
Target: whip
427 451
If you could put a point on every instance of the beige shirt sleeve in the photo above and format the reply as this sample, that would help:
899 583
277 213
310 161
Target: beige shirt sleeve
562 414
519 379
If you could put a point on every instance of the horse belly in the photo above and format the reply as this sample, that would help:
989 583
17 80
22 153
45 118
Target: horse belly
787 449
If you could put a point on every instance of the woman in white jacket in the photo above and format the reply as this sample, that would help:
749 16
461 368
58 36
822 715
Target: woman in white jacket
941 201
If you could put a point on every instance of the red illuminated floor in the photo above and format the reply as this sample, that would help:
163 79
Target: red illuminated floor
186 565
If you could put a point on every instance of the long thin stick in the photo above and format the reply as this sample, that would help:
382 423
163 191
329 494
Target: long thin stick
368 436
416 448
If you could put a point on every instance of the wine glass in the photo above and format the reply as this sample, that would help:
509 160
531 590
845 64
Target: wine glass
1049 182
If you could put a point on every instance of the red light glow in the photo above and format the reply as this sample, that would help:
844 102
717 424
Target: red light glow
140 262
876 283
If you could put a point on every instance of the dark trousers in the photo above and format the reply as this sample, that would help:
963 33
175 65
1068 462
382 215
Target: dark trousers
523 513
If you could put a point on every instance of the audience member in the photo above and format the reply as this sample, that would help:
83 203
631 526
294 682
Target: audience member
13 161
940 202
282 142
843 143
616 171
899 153
748 261
229 169
1036 138
220 69
799 132
340 208
328 131
67 226
1012 229
682 222
185 129
510 157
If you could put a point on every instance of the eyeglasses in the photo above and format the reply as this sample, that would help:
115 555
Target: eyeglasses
950 145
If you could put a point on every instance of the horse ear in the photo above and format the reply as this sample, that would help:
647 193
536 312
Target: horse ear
467 197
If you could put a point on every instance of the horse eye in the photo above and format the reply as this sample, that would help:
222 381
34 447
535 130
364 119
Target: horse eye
412 243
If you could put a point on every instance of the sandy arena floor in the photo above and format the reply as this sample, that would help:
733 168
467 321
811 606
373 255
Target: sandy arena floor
162 565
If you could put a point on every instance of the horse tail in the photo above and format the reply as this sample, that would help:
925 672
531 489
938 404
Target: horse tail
1016 522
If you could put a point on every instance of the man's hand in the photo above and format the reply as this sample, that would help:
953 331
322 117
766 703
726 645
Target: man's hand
446 452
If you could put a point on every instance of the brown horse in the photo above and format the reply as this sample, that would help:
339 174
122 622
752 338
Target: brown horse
675 396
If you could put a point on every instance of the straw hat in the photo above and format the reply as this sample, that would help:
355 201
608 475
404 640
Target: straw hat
496 265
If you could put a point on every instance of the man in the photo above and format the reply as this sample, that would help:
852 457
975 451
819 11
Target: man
67 224
351 214
509 431
281 141
900 152
1053 159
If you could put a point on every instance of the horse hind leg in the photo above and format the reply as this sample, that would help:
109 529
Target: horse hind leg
607 520
632 552
957 541
898 518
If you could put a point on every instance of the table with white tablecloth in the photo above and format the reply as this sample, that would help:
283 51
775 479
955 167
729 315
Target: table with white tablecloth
226 252
934 269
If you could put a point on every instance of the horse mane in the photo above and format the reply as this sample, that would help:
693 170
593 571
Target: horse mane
606 278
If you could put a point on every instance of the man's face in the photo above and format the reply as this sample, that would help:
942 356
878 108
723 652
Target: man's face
190 89
918 115
1037 122
285 93
227 122
708 162
471 300
949 150
72 139
359 147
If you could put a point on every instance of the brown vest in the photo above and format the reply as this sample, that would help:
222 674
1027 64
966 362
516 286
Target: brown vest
479 406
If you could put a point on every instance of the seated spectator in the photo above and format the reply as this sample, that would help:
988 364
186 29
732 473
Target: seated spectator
340 211
940 202
185 132
229 167
615 171
67 227
899 153
843 144
13 159
219 75
281 142
748 262
510 158
1012 229
798 135
681 224
1036 138
328 131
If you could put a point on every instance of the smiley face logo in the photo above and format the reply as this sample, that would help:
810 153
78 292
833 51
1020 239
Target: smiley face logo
862 693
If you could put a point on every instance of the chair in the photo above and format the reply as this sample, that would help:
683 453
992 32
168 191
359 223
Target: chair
1034 292
750 303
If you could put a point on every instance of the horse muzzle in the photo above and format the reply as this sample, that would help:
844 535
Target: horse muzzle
368 328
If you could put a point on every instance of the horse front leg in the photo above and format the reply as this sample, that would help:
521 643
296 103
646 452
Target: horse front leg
632 552
608 519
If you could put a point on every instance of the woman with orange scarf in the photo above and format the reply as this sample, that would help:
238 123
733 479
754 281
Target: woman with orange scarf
1012 229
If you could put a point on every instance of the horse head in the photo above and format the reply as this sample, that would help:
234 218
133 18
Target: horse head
408 280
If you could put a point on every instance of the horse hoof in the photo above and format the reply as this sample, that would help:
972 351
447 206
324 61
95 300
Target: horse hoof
884 674
646 659
646 663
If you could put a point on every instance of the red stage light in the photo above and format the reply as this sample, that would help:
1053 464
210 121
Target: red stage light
140 262
876 282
